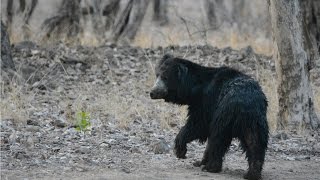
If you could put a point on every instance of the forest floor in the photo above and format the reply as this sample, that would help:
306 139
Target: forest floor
131 136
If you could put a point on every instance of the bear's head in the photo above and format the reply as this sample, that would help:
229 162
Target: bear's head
171 81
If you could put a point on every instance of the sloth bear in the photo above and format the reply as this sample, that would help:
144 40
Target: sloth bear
223 104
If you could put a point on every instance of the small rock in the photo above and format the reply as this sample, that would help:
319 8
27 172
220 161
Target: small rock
282 136
126 170
290 158
32 122
173 124
35 52
112 141
316 147
13 137
80 169
30 142
32 128
135 150
83 150
78 65
60 89
299 158
105 145
21 155
161 147
59 123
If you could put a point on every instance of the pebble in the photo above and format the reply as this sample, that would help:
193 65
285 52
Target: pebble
60 123
161 147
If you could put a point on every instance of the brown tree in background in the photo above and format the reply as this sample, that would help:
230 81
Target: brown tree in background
6 56
100 14
311 10
129 20
66 21
296 107
160 9
111 10
216 13
26 9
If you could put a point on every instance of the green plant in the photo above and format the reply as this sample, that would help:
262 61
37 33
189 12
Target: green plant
82 121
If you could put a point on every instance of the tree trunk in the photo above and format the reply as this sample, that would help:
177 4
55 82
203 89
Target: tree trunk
110 10
26 9
160 8
130 20
9 14
29 11
296 108
217 13
6 57
67 20
98 27
311 11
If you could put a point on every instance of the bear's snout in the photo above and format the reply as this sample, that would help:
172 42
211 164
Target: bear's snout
159 90
157 94
153 95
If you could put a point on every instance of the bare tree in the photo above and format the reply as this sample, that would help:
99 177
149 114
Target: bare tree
26 8
9 14
6 57
217 13
102 14
311 10
160 9
110 10
211 7
296 108
129 20
66 21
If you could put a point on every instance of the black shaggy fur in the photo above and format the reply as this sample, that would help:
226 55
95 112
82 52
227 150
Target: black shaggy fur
223 104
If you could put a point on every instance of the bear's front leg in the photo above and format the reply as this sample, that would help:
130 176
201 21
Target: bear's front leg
180 147
187 134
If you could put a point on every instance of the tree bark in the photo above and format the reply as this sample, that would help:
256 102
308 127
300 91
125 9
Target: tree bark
296 108
130 20
6 56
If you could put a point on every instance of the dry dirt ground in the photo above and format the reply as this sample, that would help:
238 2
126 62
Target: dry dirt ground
131 136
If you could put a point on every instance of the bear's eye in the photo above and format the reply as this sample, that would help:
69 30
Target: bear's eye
165 78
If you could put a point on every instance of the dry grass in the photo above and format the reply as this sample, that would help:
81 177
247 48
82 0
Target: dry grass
167 36
14 103
164 36
126 110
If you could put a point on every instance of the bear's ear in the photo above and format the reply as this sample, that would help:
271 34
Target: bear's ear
182 70
165 58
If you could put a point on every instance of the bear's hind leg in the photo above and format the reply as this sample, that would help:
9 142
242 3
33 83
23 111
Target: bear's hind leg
204 158
255 154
